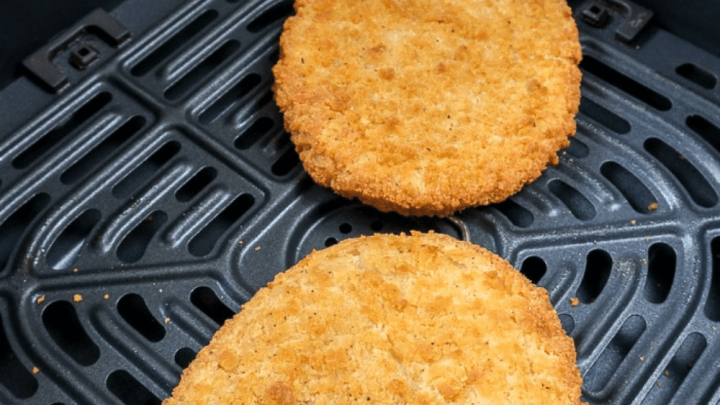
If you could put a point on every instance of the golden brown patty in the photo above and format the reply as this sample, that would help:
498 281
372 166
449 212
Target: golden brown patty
425 107
421 319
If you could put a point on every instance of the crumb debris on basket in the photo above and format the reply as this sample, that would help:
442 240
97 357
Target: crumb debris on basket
75 270
645 262
240 242
167 320
41 299
35 370
632 221
574 301
77 298
106 296
667 373
257 248
653 206
642 358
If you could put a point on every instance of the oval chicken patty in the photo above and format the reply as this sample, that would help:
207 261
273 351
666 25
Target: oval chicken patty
426 107
386 319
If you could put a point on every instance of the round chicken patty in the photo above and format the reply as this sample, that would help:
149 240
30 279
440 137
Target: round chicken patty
386 319
427 107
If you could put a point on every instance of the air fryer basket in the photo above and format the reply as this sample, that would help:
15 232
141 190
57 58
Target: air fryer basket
154 190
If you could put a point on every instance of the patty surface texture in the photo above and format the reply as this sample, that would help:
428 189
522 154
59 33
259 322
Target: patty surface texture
390 319
426 107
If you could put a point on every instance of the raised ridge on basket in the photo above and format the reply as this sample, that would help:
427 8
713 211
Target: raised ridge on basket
626 84
182 37
604 117
516 213
67 246
196 184
253 133
634 191
231 98
17 223
13 375
145 170
103 151
272 15
663 391
578 204
55 136
685 172
133 246
205 240
615 352
202 70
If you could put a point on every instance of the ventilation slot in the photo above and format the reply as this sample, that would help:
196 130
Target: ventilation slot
377 225
534 268
689 177
229 99
132 248
195 185
134 311
254 133
697 75
143 172
66 247
106 149
206 239
604 117
634 191
183 37
12 229
129 390
518 215
205 300
712 305
13 375
661 272
707 130
184 357
604 368
270 16
55 136
676 371
202 70
62 323
578 205
577 149
624 83
567 322
286 162
345 228
597 273
330 241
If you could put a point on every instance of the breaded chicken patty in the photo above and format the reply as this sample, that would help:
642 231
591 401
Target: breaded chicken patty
426 107
387 319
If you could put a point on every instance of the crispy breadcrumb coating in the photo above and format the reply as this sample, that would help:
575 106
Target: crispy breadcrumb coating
387 319
426 107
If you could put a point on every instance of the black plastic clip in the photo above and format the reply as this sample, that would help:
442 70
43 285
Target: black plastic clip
635 17
99 23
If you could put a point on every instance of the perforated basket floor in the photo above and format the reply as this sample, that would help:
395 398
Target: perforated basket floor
150 196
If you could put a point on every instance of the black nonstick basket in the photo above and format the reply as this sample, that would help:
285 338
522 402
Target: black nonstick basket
148 189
